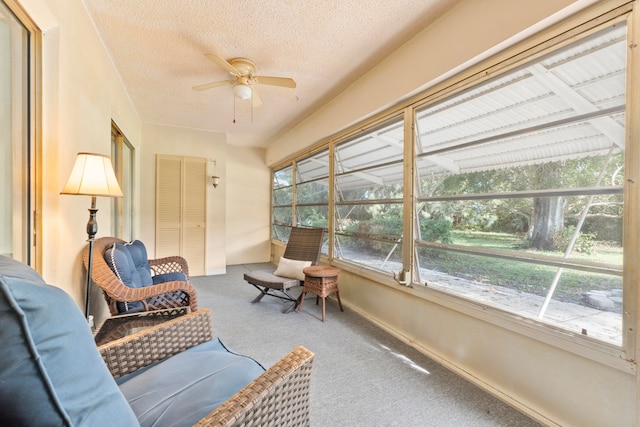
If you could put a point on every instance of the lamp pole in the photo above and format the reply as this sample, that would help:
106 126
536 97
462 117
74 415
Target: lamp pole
92 230
92 175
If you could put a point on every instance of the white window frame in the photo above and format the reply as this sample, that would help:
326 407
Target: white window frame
26 164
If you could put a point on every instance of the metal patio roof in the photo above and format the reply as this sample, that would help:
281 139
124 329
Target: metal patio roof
569 104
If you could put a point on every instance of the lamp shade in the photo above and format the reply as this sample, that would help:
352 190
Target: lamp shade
92 175
242 91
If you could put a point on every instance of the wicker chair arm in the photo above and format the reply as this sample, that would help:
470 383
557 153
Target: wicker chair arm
164 290
157 343
278 397
170 264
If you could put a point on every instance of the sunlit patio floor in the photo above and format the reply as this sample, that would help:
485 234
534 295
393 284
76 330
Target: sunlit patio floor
600 324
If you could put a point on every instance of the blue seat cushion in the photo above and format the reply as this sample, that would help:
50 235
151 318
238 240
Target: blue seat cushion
183 389
169 277
50 370
136 306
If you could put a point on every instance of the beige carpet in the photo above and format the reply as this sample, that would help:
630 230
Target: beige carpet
362 375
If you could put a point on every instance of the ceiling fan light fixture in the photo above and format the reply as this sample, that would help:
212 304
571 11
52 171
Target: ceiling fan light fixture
242 91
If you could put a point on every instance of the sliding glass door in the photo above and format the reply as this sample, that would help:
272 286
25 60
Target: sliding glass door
16 136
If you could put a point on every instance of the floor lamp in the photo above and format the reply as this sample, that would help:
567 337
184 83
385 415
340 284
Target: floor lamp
92 175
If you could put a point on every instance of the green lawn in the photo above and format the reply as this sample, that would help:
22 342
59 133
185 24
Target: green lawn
519 275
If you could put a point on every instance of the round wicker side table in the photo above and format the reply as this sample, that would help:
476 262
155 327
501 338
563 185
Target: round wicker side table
323 281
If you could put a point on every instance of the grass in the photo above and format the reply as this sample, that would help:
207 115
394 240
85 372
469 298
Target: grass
603 252
522 276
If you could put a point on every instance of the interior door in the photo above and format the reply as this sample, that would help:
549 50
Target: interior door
181 210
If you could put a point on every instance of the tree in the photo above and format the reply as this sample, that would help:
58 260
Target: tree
542 218
548 221
548 212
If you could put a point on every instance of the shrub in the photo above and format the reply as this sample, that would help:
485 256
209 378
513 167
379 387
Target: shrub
584 243
436 230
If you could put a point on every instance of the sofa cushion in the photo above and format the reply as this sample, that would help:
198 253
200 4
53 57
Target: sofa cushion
50 370
186 387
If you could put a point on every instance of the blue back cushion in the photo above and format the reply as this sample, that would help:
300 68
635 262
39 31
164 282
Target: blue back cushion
130 263
50 370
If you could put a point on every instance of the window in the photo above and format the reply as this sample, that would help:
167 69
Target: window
520 188
17 142
122 154
282 203
312 192
368 197
516 198
307 196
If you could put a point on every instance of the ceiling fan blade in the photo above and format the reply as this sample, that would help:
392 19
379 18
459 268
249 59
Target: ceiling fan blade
256 101
224 64
275 81
212 85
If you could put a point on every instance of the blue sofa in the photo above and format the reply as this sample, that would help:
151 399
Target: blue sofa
172 374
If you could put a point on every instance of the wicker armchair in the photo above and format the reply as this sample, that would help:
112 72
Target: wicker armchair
278 397
157 297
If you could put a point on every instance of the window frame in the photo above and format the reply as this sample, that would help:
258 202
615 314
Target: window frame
554 37
392 243
122 209
28 207
552 44
276 225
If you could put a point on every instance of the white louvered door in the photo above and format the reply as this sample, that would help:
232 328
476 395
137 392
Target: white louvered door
181 210
194 212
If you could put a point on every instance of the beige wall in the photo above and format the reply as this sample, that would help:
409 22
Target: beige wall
81 94
559 383
192 143
238 221
553 377
248 199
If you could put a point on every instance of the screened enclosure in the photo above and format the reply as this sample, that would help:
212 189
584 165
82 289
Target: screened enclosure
516 195
519 184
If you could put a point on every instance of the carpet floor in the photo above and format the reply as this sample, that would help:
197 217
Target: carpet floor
362 375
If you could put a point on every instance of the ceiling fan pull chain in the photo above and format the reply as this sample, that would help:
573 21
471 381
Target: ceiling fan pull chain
234 109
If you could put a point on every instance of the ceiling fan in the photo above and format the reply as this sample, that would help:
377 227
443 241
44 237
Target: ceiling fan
244 78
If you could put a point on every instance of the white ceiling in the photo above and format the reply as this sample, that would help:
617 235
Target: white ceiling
159 47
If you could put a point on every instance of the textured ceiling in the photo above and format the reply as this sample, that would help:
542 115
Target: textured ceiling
159 47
